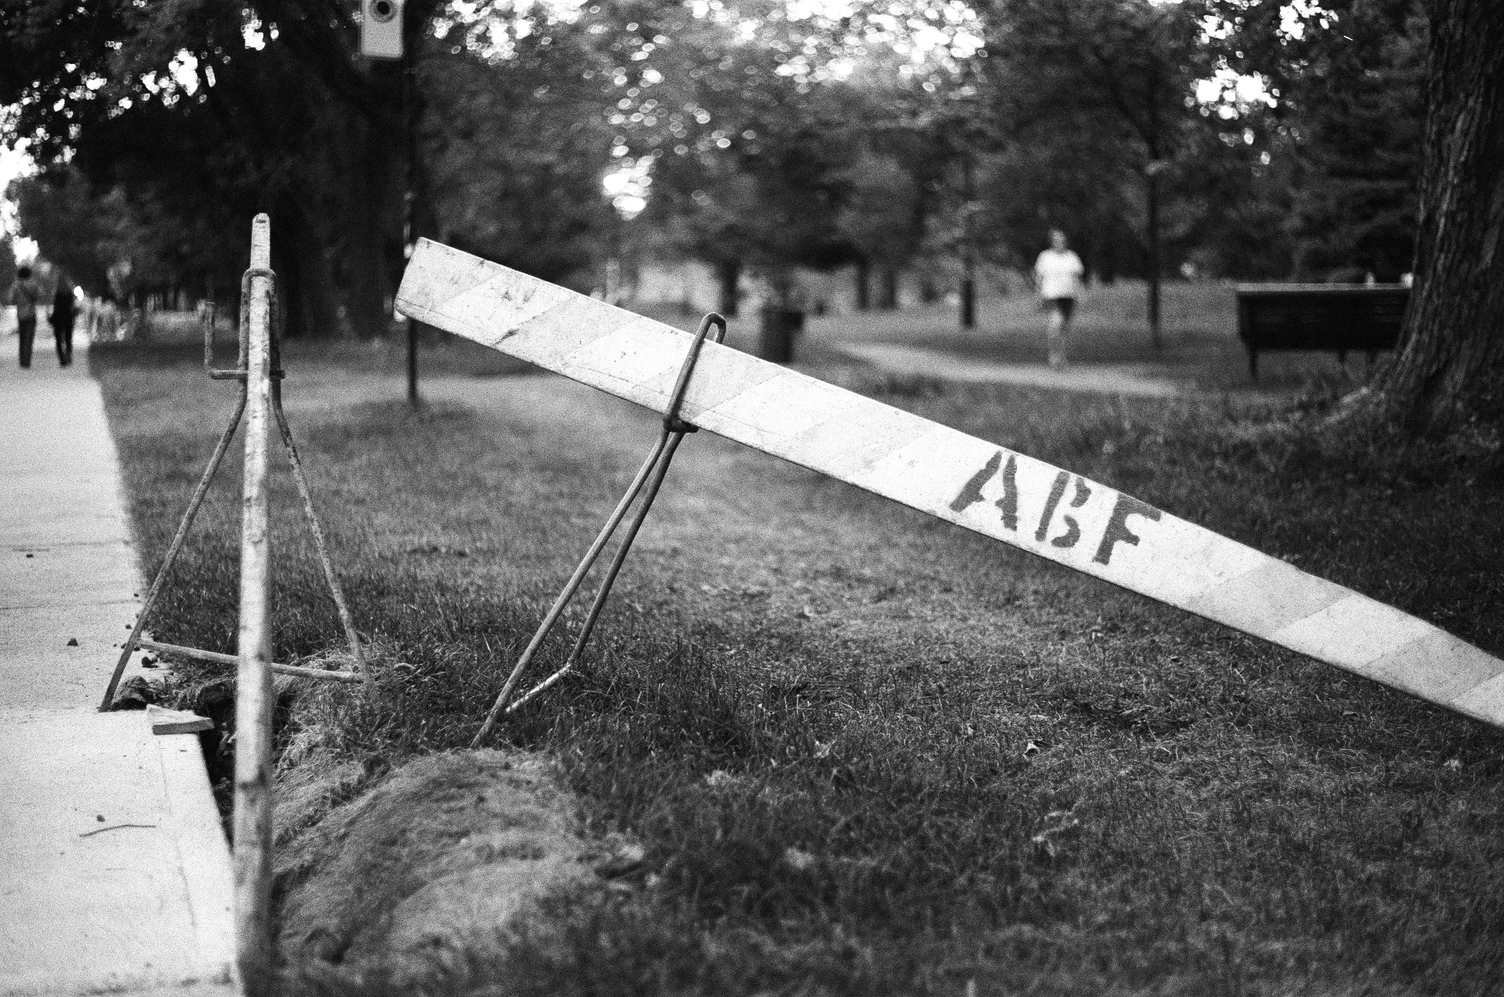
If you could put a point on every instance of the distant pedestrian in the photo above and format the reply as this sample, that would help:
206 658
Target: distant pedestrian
1057 275
88 318
25 294
106 319
64 310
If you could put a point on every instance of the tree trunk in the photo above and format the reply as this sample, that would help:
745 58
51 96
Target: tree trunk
422 219
968 290
1451 361
863 285
365 258
887 288
1154 264
968 248
304 282
729 275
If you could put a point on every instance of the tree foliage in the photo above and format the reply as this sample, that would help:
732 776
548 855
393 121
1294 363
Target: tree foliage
1361 107
1098 94
204 113
745 152
1350 80
754 135
515 144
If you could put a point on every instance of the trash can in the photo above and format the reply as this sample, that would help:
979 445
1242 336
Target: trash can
778 328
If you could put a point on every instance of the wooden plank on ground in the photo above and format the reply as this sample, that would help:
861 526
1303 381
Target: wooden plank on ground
165 721
994 491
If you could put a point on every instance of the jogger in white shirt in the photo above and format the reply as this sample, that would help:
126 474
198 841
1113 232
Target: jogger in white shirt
1057 275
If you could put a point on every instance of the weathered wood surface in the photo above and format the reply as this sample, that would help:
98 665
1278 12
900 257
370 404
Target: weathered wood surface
165 721
994 491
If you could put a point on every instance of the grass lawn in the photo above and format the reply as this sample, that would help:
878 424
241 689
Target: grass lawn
867 752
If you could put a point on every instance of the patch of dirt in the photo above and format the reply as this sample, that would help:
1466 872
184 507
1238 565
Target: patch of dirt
433 868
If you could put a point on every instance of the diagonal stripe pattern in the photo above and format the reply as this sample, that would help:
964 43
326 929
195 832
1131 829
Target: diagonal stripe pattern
1008 496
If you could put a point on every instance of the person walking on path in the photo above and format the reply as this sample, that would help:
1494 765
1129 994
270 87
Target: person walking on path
1057 275
25 294
61 317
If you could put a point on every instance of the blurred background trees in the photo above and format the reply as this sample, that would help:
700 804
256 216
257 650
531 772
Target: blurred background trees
1223 138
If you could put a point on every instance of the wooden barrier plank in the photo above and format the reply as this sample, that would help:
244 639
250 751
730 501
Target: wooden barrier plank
994 491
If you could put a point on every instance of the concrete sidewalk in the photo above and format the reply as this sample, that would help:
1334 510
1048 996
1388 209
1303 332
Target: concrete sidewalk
115 875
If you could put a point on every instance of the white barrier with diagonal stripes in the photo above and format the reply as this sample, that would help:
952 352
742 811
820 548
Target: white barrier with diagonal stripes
1009 496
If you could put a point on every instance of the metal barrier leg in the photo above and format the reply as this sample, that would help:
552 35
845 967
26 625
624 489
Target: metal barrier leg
660 470
345 619
134 640
570 588
651 473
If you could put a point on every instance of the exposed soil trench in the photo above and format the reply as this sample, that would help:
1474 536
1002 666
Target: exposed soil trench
408 876
430 870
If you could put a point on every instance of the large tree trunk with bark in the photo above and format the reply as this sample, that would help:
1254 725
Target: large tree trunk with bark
1450 367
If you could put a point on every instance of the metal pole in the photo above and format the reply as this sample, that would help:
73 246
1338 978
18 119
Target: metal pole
253 701
135 641
412 364
409 196
968 251
1154 264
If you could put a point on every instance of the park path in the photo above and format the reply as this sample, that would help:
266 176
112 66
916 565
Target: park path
1113 379
116 875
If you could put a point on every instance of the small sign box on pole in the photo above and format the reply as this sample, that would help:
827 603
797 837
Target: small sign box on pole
381 29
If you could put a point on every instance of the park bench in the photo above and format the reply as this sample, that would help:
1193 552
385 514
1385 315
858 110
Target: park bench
1337 317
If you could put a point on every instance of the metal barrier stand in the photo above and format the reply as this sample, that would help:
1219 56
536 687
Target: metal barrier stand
239 373
259 371
651 474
